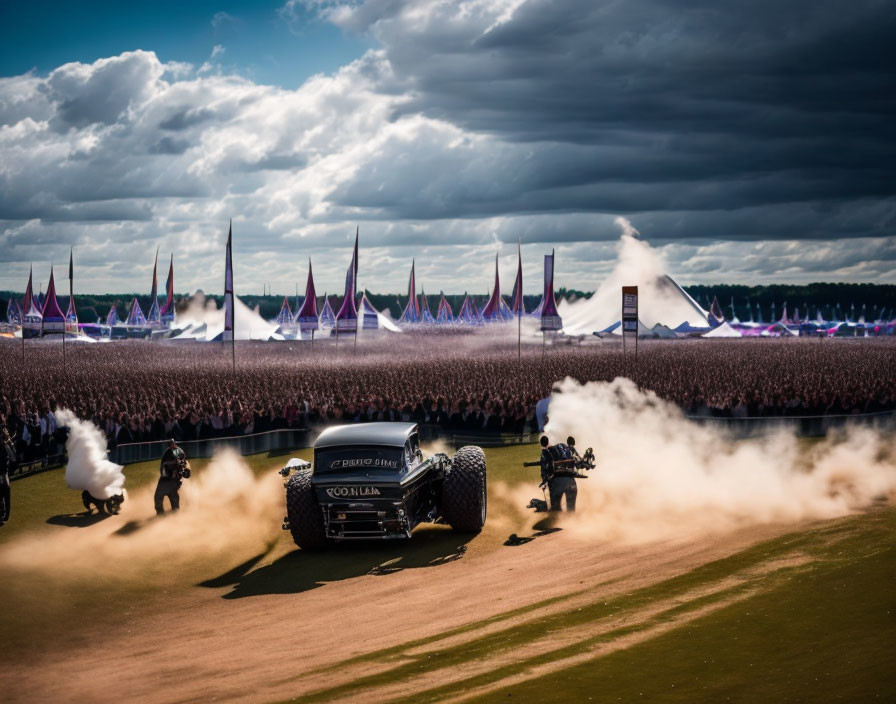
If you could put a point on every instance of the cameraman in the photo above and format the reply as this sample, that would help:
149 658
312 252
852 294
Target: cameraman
559 473
171 470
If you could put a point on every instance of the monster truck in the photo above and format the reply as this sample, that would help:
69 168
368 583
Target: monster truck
371 481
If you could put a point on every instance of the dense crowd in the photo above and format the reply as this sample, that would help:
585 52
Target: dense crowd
138 391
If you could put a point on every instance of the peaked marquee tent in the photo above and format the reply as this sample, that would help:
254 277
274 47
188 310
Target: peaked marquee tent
444 315
496 310
52 317
135 315
347 317
425 315
469 313
411 312
307 316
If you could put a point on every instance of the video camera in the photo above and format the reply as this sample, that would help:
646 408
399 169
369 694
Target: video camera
178 468
566 460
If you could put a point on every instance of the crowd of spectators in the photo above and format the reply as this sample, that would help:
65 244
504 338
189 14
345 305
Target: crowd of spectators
136 391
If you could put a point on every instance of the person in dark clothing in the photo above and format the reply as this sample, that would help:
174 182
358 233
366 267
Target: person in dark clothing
172 469
558 471
7 462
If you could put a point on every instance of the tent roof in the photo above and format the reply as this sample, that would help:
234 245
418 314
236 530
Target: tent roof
722 330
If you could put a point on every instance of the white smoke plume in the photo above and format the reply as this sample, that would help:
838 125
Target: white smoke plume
662 476
88 462
201 312
628 230
660 300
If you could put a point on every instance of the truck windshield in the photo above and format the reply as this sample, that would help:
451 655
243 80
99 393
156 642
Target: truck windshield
349 459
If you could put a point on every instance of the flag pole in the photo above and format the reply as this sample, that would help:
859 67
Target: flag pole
519 311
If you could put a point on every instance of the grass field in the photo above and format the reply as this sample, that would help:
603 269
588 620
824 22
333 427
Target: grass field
808 615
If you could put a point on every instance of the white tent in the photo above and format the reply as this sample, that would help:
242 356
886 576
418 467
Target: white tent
660 301
663 331
723 330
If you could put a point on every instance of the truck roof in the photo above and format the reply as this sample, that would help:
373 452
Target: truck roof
387 434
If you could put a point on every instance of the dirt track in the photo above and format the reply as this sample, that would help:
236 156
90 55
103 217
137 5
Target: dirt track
280 628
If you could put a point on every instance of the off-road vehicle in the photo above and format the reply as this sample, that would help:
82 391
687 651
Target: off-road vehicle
371 481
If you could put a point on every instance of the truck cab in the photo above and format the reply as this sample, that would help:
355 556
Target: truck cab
372 481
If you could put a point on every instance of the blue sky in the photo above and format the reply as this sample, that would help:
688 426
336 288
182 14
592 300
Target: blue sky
259 41
749 141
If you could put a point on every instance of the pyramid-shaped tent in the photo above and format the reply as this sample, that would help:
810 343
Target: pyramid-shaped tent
347 317
444 315
135 315
496 310
469 313
13 312
52 317
285 317
327 317
307 316
411 313
425 314
112 317
368 314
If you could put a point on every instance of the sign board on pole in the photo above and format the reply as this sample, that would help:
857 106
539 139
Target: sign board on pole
630 313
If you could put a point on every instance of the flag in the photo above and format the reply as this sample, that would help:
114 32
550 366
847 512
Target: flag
306 316
411 313
516 297
154 317
168 308
29 295
550 318
228 287
496 309
347 317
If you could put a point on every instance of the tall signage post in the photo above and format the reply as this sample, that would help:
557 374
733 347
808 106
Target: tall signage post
630 315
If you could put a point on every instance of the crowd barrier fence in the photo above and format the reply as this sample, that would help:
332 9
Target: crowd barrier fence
271 441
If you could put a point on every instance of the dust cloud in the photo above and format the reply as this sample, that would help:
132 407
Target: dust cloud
662 476
225 508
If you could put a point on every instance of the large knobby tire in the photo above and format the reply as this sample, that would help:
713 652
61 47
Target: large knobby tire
306 521
465 493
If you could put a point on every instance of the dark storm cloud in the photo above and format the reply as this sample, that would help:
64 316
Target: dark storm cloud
646 105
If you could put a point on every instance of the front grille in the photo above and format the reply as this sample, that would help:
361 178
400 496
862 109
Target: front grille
354 523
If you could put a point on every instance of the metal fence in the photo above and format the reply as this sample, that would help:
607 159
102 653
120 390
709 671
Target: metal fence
271 441
26 469
804 426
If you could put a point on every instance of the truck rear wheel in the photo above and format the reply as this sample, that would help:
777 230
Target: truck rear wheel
306 522
465 493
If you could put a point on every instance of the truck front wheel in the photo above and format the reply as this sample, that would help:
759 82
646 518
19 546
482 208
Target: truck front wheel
306 522
465 492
